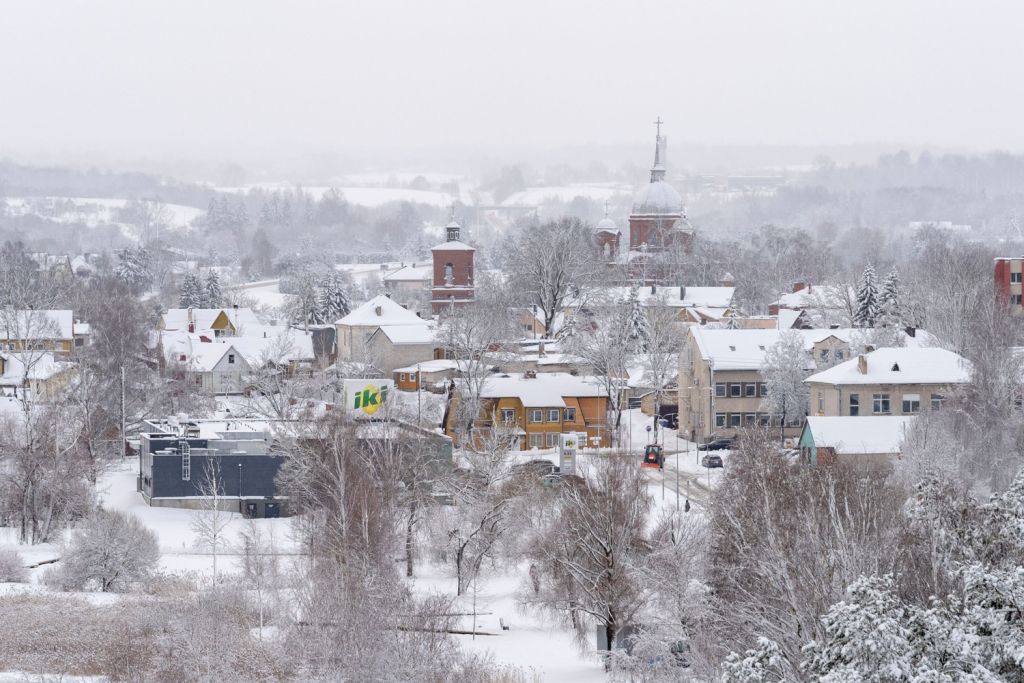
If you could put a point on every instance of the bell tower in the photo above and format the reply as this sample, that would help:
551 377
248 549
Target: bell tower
453 270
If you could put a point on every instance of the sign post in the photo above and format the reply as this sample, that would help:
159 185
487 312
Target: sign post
567 446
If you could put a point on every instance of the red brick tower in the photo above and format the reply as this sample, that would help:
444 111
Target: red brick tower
453 270
608 236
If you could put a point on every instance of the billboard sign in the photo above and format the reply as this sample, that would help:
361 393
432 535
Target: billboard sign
567 446
364 397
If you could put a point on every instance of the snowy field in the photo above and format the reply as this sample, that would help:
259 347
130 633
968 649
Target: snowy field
94 211
361 196
536 196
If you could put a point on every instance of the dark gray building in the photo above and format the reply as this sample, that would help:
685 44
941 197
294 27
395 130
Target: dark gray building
174 457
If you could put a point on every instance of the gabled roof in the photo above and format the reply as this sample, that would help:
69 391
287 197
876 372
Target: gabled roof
380 310
18 324
744 349
41 367
903 365
205 357
407 334
410 274
545 390
859 435
177 318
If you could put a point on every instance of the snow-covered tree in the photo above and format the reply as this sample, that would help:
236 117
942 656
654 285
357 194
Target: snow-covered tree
110 551
192 292
889 300
867 299
603 346
757 665
333 302
638 327
135 268
786 365
210 522
214 294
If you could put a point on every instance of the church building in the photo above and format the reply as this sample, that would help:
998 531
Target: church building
453 270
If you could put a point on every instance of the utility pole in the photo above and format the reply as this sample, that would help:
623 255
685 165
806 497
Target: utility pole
419 396
124 439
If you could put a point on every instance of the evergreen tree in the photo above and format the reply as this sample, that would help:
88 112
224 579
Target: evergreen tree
240 217
867 299
333 302
638 330
135 268
214 294
889 300
192 293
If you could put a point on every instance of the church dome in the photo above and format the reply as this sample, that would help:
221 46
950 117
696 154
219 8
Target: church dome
606 225
657 197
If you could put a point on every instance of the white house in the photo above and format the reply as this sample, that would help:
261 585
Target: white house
214 367
873 440
356 328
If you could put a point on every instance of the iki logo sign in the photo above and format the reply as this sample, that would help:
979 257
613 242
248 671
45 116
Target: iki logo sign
369 399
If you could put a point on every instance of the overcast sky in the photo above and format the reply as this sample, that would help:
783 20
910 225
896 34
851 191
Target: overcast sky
137 77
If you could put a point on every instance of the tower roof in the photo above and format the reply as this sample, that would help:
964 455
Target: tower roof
606 224
658 197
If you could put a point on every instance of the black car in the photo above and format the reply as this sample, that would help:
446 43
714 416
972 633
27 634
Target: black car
719 444
710 461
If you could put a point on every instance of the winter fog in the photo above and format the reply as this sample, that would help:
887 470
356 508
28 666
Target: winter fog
511 342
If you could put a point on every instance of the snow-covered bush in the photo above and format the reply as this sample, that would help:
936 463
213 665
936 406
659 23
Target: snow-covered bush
111 551
12 567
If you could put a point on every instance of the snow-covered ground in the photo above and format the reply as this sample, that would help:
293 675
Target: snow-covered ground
361 196
93 211
536 196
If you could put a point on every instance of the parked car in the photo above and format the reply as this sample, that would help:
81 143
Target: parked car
711 460
537 467
719 444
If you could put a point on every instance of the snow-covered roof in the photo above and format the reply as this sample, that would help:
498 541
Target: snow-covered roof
744 349
18 324
674 297
378 311
657 198
408 334
815 296
437 365
41 366
544 390
453 245
177 318
900 365
410 274
290 345
788 317
607 225
202 356
859 435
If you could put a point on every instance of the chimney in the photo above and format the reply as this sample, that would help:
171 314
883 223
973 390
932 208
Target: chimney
862 364
682 292
797 286
653 289
540 348
378 310
191 320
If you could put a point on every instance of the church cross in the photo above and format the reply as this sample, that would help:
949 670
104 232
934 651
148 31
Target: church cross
658 123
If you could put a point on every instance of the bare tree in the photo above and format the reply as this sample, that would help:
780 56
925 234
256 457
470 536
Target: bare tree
210 522
592 552
111 551
549 263
602 344
786 365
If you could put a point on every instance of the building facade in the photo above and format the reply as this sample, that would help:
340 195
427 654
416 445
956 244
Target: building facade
1009 280
453 260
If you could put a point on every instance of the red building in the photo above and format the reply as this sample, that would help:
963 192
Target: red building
657 220
608 236
1008 272
453 270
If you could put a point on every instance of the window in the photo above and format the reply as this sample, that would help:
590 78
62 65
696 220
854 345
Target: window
536 415
937 401
911 403
508 415
554 414
735 419
749 419
231 359
763 389
720 390
735 390
1015 277
570 414
401 377
839 354
880 404
763 419
854 405
823 355
719 419
553 439
821 403
1015 299
536 441
182 357
750 389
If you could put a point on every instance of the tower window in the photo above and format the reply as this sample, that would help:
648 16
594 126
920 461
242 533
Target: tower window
449 274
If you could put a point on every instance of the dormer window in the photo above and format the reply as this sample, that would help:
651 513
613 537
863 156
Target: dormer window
732 348
231 359
895 367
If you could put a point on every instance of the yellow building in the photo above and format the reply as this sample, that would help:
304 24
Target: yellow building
537 407
38 330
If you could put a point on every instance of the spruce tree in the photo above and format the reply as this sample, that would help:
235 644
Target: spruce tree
889 304
867 299
134 267
192 294
638 330
333 302
214 294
